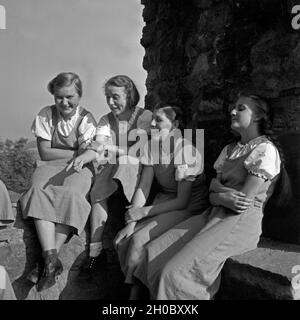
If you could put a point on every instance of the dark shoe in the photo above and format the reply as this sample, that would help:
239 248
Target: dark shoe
53 268
35 274
91 263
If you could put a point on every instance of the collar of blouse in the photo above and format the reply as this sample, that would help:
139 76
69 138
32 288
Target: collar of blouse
243 148
72 119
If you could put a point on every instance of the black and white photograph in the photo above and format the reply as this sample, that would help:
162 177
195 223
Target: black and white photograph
149 152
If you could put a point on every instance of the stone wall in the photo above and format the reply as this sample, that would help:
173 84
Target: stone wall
201 53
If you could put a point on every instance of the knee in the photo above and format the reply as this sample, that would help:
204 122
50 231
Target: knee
167 274
139 239
98 213
136 250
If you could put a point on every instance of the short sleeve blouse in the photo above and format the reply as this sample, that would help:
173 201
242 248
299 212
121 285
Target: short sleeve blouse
143 122
263 159
42 125
187 160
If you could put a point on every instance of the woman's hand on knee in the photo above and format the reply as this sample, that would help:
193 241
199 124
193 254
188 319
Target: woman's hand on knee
136 213
126 232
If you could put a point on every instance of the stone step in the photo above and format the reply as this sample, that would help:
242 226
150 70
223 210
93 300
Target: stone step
20 249
272 271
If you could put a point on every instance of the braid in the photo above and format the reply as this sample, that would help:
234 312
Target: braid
273 138
283 192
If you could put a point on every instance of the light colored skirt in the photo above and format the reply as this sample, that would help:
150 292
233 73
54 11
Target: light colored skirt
57 195
131 251
6 213
6 289
108 179
186 261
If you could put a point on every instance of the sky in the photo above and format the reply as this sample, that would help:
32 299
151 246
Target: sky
96 39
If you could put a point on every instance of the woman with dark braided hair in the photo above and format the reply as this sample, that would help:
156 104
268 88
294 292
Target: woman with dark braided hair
186 261
282 193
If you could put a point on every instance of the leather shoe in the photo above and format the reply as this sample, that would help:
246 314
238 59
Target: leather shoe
35 274
53 267
91 263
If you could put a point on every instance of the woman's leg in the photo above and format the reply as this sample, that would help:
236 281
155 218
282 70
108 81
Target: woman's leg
46 233
61 234
145 232
98 217
52 265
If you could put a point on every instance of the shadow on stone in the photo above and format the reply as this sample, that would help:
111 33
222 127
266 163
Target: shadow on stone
25 252
20 250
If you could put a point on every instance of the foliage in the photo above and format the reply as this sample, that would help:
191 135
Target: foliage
16 164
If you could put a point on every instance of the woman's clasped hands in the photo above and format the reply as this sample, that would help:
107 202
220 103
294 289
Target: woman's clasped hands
235 200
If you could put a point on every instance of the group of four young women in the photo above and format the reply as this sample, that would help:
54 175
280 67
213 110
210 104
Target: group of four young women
177 245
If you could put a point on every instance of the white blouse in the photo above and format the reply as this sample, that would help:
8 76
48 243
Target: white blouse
42 124
263 161
188 161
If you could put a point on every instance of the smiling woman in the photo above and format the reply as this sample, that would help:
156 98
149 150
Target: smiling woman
119 167
186 261
67 91
57 199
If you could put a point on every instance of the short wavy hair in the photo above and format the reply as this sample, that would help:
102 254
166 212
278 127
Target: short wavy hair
65 79
132 94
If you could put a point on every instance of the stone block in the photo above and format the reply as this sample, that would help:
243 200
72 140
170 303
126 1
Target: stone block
272 271
19 251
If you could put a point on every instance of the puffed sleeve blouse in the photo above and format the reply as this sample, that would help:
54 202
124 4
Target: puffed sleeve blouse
187 160
263 159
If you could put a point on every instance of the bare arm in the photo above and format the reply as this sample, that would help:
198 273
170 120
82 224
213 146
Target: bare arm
82 147
141 195
179 203
103 141
47 153
217 191
238 200
251 186
139 200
